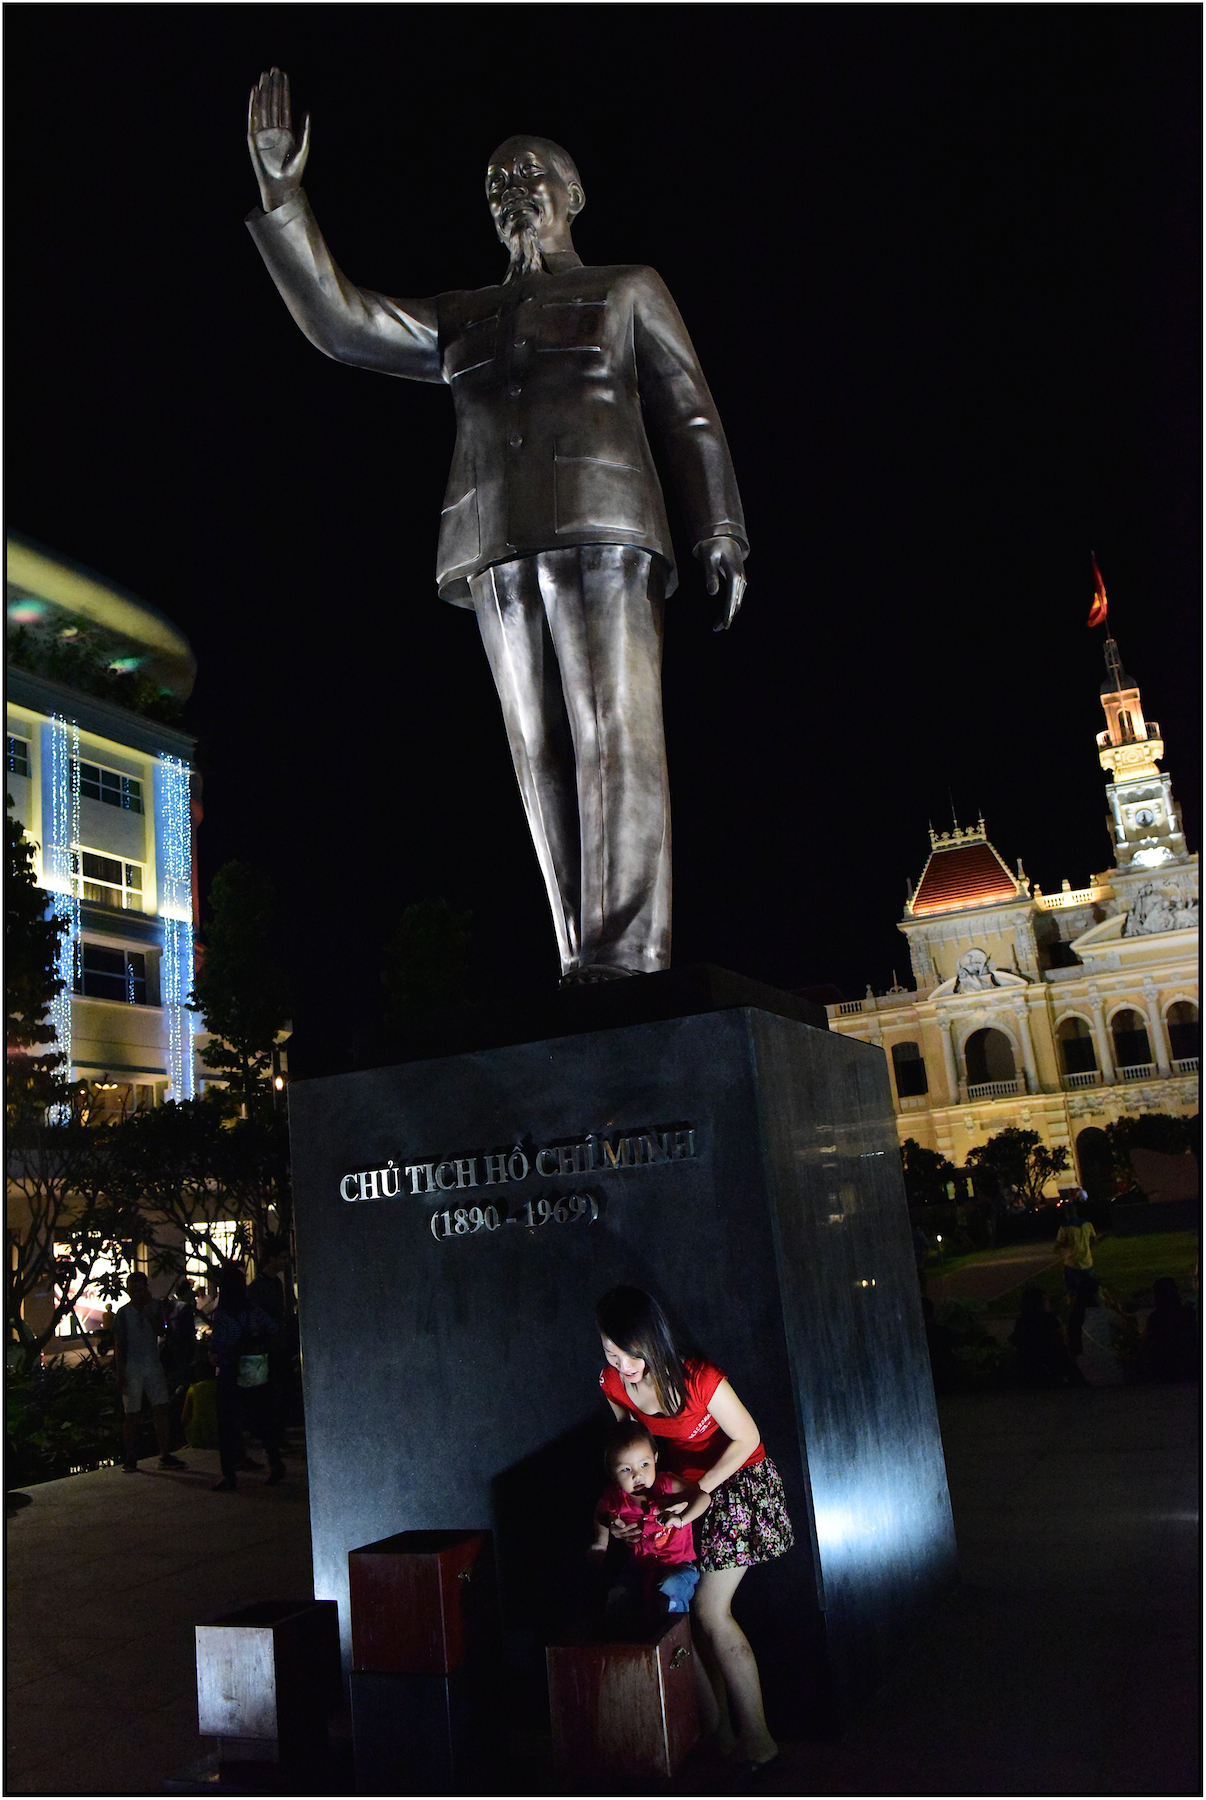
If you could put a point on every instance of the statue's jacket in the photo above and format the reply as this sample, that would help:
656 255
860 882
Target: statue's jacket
554 376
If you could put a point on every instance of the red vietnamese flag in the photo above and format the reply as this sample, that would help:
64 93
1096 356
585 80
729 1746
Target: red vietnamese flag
1097 611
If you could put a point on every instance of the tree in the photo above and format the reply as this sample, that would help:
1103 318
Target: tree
65 1230
1020 1160
240 989
926 1173
1150 1131
83 660
70 1225
32 936
190 1166
426 970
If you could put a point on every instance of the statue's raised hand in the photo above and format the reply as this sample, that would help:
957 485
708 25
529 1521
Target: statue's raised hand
276 156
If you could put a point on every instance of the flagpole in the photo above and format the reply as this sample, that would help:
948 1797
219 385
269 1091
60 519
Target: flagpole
1097 616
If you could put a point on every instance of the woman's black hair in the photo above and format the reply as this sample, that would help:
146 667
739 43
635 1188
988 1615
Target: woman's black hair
232 1288
623 1434
636 1324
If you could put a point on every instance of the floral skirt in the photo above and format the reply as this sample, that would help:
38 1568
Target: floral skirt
747 1521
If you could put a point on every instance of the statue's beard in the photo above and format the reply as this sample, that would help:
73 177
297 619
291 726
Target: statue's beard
519 235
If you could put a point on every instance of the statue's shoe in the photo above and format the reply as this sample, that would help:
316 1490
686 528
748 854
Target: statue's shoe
594 972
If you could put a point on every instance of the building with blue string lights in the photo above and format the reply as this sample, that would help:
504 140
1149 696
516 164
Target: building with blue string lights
101 776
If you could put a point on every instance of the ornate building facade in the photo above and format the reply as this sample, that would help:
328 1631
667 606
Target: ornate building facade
1056 1013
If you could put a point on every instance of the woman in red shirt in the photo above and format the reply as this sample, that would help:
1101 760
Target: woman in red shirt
706 1436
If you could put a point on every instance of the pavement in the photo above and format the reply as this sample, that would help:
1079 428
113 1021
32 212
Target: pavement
992 1276
1067 1662
107 1575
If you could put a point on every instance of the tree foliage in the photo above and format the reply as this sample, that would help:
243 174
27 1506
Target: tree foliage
1021 1161
1150 1131
926 1173
187 1166
69 1218
85 1193
65 1223
84 662
426 969
31 980
241 989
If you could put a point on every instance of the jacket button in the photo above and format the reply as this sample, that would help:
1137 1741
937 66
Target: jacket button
515 392
520 342
515 442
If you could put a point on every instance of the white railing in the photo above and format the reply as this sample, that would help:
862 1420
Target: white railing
1087 896
1137 1072
849 1006
995 1090
1185 1065
1085 1078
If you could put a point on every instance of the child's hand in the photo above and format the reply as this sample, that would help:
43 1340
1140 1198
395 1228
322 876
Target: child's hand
670 1522
627 1534
678 1506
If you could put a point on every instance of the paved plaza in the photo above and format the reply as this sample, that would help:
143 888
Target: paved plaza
1066 1663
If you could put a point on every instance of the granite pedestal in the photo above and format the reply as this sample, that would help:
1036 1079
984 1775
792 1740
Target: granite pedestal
458 1218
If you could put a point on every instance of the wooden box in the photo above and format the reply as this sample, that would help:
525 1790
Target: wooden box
422 1734
420 1601
626 1706
267 1677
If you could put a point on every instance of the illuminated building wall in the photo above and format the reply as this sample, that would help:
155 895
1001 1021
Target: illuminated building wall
1058 1013
110 797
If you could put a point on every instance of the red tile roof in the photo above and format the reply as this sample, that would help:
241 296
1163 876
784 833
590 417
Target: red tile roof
964 875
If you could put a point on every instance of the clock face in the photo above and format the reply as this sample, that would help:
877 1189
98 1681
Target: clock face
1145 816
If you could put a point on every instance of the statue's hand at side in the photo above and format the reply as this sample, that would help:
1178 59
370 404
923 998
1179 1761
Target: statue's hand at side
276 156
724 565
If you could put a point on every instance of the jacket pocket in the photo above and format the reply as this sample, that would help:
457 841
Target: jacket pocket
591 493
473 347
570 325
460 532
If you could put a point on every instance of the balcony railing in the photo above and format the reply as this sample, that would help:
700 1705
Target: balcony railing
849 1006
1185 1065
1084 1078
1137 1072
996 1090
1086 896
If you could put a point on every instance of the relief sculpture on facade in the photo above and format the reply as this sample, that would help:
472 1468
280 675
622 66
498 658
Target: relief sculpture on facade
1168 906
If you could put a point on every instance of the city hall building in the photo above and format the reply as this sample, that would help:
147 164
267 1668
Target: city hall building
1057 1013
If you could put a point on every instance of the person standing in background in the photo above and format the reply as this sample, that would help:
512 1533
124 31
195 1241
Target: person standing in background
1074 1241
137 1329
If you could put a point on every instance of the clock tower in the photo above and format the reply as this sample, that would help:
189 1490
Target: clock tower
1144 820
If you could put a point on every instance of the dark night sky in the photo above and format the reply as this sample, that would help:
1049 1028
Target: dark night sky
941 266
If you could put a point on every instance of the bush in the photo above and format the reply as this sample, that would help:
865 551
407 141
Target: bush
982 1360
59 1419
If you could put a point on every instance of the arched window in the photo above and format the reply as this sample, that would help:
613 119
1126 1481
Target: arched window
908 1067
1131 1045
989 1057
1184 1029
1077 1051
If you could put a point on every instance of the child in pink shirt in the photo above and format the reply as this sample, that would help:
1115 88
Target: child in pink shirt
654 1514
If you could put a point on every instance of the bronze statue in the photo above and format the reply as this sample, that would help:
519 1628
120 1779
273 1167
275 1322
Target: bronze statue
554 529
